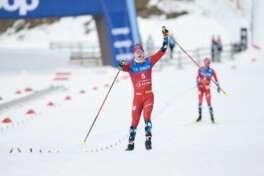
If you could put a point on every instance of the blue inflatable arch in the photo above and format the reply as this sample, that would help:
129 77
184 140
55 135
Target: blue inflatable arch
115 21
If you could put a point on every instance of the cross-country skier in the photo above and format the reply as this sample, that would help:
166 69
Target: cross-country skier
203 80
140 69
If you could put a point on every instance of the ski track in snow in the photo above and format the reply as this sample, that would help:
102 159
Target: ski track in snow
233 146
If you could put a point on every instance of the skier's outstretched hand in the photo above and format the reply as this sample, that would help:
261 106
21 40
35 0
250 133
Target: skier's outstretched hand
218 89
121 65
165 33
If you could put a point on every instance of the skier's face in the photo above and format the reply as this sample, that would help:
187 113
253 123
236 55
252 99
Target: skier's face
139 55
206 64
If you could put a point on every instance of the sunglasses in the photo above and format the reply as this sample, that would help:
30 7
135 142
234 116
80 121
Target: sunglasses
139 51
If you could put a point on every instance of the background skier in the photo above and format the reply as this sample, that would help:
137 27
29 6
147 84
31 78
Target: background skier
203 80
140 69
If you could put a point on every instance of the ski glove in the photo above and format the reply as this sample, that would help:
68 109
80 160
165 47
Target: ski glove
218 87
165 31
165 39
121 65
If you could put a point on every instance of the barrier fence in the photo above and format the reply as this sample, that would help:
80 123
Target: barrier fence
89 53
35 95
82 53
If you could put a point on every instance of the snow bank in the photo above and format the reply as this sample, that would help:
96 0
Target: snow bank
29 59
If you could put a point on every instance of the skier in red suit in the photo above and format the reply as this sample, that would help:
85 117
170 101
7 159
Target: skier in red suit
140 69
203 83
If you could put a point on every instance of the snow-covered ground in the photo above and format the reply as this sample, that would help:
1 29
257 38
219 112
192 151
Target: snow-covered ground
54 134
233 146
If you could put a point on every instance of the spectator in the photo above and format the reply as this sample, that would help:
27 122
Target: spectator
219 49
214 49
172 45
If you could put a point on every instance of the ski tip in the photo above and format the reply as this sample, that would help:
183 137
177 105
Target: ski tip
84 142
226 95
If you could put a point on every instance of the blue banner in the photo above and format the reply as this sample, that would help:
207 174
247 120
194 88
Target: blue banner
119 15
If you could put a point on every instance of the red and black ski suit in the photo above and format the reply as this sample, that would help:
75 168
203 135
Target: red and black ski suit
140 74
203 80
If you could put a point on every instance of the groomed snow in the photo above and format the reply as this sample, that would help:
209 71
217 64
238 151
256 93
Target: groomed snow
233 146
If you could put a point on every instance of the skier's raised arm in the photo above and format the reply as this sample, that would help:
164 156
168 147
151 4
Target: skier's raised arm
156 57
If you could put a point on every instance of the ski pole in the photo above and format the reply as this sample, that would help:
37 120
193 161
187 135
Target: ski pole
196 63
84 142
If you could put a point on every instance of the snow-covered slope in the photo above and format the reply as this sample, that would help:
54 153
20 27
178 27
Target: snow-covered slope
67 29
233 146
206 18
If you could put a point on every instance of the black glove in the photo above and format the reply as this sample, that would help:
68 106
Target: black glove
218 87
121 65
165 31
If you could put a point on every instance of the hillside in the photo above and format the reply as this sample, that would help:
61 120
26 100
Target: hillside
194 20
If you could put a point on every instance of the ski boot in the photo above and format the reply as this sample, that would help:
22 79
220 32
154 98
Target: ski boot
148 128
199 118
212 119
132 135
130 147
211 113
148 145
